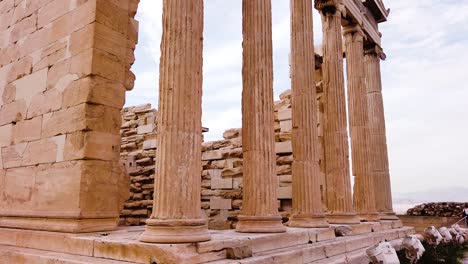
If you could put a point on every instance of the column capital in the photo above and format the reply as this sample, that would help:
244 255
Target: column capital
335 7
375 50
355 31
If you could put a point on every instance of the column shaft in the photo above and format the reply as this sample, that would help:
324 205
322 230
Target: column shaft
339 199
260 208
177 216
364 198
307 204
378 139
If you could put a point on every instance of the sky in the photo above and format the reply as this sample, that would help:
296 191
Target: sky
424 81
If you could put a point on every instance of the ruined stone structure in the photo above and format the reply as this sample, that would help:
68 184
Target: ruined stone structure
64 69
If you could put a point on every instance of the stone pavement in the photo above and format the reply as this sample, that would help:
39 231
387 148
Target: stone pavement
297 245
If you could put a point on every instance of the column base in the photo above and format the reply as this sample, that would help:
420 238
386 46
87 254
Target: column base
307 221
60 225
389 215
260 224
369 217
175 231
343 218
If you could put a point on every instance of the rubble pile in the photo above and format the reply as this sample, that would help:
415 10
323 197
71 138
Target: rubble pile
438 209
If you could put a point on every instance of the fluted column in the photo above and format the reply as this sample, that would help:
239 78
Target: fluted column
177 216
260 209
306 200
378 138
339 199
364 197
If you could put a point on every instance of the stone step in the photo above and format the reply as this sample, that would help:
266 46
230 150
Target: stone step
341 250
16 255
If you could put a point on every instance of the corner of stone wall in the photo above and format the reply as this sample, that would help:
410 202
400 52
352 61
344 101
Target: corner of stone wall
64 69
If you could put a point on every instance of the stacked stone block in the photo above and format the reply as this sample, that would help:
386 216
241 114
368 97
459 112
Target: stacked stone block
221 194
138 151
64 69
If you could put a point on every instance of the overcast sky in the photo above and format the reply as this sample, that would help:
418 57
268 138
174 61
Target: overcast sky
424 80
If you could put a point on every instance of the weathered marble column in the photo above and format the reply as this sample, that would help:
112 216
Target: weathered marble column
177 216
364 197
306 200
260 208
378 138
338 180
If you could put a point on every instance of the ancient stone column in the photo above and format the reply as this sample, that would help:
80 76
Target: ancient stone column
260 206
364 198
339 199
306 200
177 216
378 139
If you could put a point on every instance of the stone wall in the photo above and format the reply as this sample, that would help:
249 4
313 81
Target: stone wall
221 175
64 69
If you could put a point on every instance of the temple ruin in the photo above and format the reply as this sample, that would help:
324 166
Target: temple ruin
79 176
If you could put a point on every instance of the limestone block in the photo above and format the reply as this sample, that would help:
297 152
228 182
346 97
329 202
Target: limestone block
283 170
27 130
232 172
284 192
12 156
219 203
53 10
145 129
30 85
20 69
46 102
285 178
283 147
150 144
285 114
212 155
231 133
98 62
93 89
23 28
13 112
6 135
46 150
49 59
92 145
82 117
286 126
237 183
218 182
17 188
98 36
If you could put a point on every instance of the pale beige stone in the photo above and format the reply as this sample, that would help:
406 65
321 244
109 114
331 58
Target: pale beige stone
92 145
27 130
145 129
12 155
30 85
46 150
212 155
283 147
219 203
285 192
6 135
13 112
